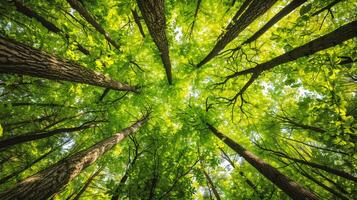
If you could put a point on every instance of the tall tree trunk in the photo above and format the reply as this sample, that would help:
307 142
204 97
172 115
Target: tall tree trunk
195 15
16 58
47 24
290 187
281 14
255 9
6 143
137 21
210 183
86 185
76 4
153 12
49 181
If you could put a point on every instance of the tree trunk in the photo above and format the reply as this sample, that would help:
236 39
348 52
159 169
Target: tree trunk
47 24
334 38
281 14
210 183
255 9
137 21
86 185
16 58
75 4
290 187
6 143
153 12
328 7
49 181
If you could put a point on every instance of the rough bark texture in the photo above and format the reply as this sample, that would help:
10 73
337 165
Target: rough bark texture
6 143
290 187
51 180
255 9
75 4
86 185
16 58
153 12
47 24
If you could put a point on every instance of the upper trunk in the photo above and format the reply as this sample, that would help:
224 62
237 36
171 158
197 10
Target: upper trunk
16 58
51 180
75 4
210 183
290 187
49 25
238 24
86 185
153 12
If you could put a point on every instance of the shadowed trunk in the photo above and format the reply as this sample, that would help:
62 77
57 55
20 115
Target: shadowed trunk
238 24
51 180
210 183
86 185
16 58
153 12
290 187
137 21
47 24
75 4
334 38
281 14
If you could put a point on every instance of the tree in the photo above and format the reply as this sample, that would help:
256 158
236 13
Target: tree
49 181
15 61
293 189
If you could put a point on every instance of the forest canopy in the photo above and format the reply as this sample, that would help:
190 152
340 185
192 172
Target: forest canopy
178 99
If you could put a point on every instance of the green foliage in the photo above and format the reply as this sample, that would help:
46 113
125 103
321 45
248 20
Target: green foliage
283 106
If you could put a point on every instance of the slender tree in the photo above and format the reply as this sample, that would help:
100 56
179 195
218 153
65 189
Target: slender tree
334 38
47 24
52 179
16 58
77 5
290 187
137 21
6 143
88 182
280 15
242 19
211 185
153 12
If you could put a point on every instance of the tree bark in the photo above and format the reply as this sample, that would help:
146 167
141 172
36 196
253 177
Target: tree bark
6 143
153 12
75 4
210 183
47 24
86 185
255 9
47 182
16 58
290 187
137 21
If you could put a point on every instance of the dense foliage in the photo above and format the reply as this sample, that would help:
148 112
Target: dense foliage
299 116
